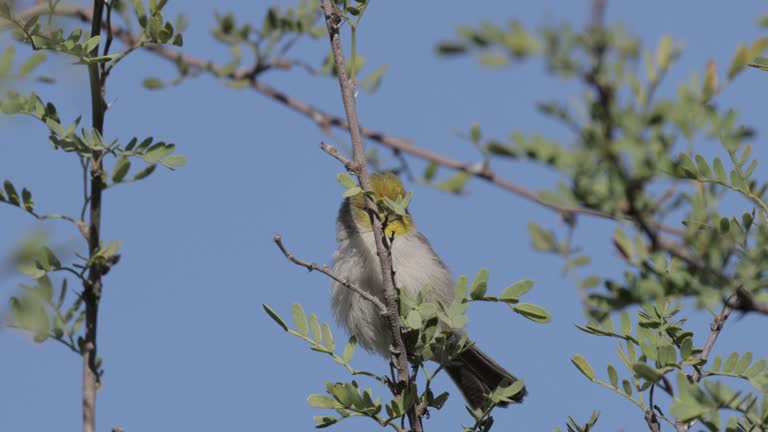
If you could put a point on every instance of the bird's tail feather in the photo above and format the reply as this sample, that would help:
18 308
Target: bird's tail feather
476 375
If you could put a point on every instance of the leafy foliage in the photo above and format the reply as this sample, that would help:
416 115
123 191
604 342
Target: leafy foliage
46 307
432 332
627 142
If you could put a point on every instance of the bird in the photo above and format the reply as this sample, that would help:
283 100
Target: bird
416 266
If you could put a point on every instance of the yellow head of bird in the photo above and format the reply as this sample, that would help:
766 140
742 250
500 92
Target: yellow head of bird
383 185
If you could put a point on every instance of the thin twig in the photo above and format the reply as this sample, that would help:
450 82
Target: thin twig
331 150
715 328
326 271
650 415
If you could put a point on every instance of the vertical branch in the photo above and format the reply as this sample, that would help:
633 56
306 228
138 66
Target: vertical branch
399 358
714 331
93 284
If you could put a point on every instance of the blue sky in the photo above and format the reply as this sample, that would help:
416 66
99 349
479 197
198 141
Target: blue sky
185 342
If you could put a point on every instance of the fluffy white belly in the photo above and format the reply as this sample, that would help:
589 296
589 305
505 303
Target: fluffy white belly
416 266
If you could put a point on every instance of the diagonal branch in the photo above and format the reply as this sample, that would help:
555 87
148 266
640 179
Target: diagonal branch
326 271
324 119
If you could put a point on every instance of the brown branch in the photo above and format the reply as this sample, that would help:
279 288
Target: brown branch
324 119
331 150
93 285
326 271
399 355
715 328
650 414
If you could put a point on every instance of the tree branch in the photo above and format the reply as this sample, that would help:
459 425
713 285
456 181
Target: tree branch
326 271
715 328
324 119
93 285
399 358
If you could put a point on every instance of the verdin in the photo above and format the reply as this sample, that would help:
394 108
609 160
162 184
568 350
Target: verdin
416 266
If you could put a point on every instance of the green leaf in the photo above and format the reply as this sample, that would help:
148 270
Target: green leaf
6 61
373 81
299 319
508 392
626 324
11 195
349 349
158 152
647 372
448 48
152 83
626 386
141 13
314 327
743 362
517 289
739 61
44 289
688 410
122 166
479 285
475 134
413 320
583 366
756 368
666 355
328 337
31 63
686 348
430 171
760 63
590 282
321 401
613 377
145 172
543 240
26 198
725 225
750 169
703 166
717 363
346 181
438 401
664 52
496 148
493 60
687 166
461 288
175 161
91 43
730 363
454 184
324 421
144 145
352 192
720 170
532 312
622 243
580 261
